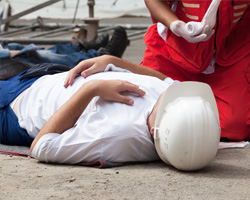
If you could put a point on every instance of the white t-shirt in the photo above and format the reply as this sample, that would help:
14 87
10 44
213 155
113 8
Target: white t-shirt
107 131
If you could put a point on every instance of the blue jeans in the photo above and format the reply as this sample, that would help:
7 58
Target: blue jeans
65 54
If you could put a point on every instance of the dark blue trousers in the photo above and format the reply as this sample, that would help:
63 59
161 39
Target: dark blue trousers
10 131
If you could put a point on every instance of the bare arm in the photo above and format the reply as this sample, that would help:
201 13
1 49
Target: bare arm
66 116
161 11
13 52
98 64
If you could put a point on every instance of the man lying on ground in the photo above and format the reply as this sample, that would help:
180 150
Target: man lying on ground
110 116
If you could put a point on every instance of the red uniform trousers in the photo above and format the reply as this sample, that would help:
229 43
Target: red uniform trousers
230 84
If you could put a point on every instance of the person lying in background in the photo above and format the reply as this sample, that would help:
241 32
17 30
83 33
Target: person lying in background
15 58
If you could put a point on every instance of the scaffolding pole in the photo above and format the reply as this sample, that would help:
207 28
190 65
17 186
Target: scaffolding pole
30 10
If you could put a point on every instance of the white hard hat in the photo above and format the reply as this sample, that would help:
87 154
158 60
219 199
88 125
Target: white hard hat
187 129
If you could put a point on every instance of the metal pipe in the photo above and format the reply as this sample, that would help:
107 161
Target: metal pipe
47 41
101 26
91 4
51 32
18 30
107 27
137 33
13 17
91 22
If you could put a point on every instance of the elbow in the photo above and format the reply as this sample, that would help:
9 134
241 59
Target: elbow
42 150
39 153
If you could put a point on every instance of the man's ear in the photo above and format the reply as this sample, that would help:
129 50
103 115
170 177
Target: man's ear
152 130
